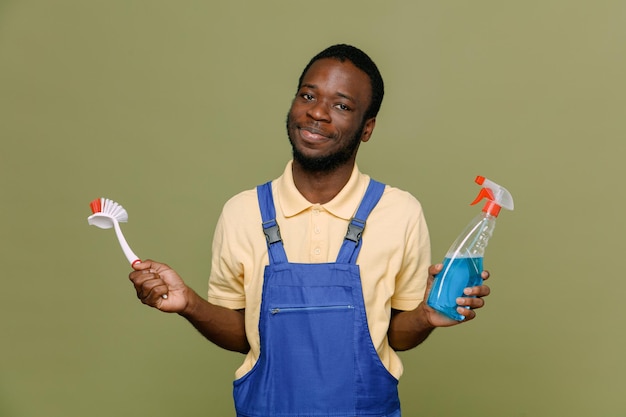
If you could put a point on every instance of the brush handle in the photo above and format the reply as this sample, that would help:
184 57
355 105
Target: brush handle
130 255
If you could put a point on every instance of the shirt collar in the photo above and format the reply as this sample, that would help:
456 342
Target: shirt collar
344 204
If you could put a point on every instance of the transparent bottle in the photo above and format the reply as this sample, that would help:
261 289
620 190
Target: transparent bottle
463 263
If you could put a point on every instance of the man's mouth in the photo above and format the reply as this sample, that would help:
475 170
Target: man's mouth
312 134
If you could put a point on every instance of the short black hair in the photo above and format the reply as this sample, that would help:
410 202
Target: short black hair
362 61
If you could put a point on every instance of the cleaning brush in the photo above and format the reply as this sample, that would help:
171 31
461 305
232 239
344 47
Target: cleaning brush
108 214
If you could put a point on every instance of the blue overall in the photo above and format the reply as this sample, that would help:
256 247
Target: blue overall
317 357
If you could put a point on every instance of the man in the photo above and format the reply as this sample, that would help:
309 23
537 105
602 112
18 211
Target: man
318 302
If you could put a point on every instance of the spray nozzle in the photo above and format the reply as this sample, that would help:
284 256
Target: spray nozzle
496 195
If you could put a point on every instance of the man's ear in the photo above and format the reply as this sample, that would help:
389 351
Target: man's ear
368 129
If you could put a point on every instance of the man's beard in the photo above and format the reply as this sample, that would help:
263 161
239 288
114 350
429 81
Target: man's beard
326 163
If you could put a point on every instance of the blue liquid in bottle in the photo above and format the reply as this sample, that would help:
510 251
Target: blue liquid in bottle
456 275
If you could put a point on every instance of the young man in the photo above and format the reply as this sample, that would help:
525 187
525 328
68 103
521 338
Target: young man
320 275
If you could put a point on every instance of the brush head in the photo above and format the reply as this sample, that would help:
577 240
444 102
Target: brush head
106 212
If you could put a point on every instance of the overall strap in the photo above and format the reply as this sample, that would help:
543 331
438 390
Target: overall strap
275 247
352 242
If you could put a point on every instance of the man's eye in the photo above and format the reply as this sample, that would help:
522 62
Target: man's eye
307 97
341 106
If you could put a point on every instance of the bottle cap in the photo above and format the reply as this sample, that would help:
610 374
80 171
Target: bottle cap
496 195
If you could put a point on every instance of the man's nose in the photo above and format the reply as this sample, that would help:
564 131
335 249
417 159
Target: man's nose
319 111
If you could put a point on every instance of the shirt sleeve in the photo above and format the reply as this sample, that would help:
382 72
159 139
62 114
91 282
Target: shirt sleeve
412 277
226 281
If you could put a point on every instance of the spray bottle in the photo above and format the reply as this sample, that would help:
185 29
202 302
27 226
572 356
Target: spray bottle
463 264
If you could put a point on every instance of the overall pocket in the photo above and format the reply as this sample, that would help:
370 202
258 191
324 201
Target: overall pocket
311 347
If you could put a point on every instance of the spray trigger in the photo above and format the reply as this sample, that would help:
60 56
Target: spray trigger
484 193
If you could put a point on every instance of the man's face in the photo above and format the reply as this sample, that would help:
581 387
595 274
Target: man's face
325 122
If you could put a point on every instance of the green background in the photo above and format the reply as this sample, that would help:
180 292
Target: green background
171 107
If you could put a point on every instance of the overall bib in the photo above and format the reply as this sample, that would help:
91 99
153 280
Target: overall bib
317 357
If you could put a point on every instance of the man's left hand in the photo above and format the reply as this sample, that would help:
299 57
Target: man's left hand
472 300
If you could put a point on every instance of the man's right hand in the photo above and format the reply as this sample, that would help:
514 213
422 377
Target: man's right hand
159 286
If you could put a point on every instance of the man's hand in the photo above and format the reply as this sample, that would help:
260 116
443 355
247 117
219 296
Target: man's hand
473 299
408 329
159 286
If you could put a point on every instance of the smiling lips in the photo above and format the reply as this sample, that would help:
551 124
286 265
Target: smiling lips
312 134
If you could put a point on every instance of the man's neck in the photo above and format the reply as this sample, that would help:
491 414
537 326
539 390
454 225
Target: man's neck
321 187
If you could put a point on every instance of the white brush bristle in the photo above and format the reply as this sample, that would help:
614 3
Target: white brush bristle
114 210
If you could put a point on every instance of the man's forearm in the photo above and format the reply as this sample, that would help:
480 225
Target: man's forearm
408 329
220 325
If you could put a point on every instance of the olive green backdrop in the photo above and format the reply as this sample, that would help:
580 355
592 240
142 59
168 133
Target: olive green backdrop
172 107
